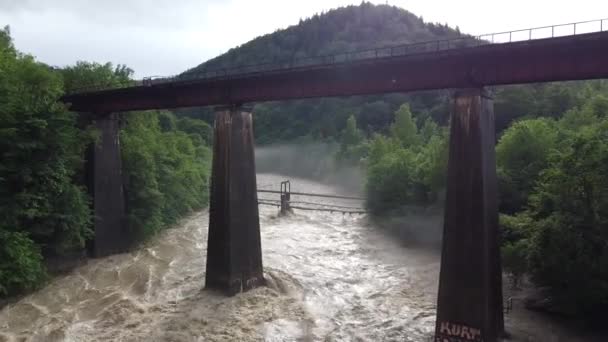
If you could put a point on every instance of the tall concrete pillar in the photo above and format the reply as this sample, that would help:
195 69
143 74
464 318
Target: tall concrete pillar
106 187
234 253
469 304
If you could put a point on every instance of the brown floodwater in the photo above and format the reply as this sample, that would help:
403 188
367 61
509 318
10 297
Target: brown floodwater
331 277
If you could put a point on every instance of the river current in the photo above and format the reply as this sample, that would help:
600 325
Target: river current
331 277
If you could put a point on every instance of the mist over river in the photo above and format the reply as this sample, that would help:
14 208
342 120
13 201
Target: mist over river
331 277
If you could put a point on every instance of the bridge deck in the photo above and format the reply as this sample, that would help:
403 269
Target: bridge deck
576 57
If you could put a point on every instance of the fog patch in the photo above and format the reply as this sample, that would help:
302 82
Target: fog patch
414 226
314 161
411 225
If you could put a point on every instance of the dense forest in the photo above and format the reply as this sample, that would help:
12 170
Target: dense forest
44 202
551 151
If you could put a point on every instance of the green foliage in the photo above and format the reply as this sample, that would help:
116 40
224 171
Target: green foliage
42 210
198 130
432 165
351 134
521 154
404 128
561 239
514 260
353 148
515 245
84 75
391 181
20 263
167 170
406 168
570 231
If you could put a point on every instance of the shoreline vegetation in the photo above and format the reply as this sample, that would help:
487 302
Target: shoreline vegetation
45 215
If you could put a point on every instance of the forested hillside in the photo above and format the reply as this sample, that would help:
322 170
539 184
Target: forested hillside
44 202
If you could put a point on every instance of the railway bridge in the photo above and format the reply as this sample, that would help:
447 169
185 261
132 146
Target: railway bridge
469 306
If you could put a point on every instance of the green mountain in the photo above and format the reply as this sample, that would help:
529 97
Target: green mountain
348 29
344 29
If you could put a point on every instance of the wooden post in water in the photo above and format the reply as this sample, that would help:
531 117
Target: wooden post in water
105 181
234 253
285 198
469 304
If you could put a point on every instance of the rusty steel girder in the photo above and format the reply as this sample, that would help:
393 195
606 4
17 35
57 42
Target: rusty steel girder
577 57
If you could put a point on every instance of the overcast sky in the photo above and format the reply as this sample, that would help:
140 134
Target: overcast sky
165 37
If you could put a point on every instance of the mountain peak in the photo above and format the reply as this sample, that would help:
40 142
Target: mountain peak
350 28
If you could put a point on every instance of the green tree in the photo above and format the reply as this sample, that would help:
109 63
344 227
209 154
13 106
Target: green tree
197 129
353 146
432 166
404 128
90 76
390 181
42 210
406 168
167 169
21 265
569 252
521 154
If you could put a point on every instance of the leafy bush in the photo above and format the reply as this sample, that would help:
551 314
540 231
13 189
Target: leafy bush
407 168
521 154
515 234
391 181
21 265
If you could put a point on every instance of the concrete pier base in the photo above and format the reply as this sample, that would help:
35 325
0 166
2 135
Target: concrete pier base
104 166
234 254
469 304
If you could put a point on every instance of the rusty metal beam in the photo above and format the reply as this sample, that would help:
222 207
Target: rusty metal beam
554 59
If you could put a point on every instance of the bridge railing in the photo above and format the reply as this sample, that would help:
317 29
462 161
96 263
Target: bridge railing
543 32
286 204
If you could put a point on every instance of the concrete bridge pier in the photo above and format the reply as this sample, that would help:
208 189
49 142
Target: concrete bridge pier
105 182
234 253
469 304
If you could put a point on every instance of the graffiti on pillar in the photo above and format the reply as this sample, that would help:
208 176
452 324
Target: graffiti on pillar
451 332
